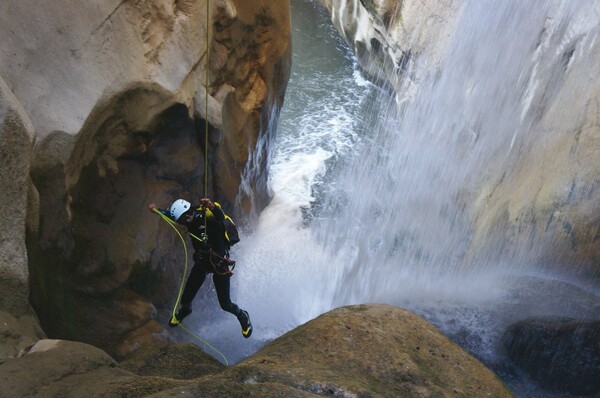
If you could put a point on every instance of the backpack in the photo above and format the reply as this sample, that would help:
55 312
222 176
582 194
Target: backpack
232 236
231 232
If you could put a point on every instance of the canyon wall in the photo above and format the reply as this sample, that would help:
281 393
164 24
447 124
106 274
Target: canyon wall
19 327
103 109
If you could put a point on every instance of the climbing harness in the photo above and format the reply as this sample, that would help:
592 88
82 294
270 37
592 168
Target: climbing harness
182 284
223 266
220 265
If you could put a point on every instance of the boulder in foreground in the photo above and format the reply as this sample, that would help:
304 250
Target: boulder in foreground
356 351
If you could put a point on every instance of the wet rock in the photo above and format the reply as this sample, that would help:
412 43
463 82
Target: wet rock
543 207
561 354
252 43
388 36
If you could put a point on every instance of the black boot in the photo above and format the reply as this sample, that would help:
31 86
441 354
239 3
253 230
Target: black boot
244 319
184 311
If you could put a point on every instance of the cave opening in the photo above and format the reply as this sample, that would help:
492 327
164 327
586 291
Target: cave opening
107 261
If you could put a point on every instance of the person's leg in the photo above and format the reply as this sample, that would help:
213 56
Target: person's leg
193 284
222 285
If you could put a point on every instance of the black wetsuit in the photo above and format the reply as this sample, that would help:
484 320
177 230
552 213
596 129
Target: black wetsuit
215 232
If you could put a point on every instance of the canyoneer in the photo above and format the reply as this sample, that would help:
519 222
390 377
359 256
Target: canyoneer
206 226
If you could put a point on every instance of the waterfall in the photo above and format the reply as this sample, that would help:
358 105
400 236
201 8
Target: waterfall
378 196
406 209
408 193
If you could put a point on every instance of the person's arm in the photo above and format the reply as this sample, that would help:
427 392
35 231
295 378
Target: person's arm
214 207
152 207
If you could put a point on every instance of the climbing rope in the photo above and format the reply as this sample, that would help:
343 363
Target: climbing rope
207 66
172 224
182 284
206 102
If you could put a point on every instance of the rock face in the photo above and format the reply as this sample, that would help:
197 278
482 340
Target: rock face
389 35
114 95
16 142
561 354
18 324
537 200
54 368
359 351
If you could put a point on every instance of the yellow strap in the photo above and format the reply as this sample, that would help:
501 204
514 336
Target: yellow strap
204 342
194 236
182 284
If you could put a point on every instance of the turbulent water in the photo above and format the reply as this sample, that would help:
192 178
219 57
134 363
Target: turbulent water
369 195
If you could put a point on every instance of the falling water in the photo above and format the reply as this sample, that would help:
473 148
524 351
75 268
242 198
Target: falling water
373 192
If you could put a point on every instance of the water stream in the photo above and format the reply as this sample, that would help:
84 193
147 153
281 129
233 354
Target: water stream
369 197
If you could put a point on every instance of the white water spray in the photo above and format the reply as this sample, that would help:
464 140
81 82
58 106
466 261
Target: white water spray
374 202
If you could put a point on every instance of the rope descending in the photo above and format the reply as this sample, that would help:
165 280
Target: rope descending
182 284
172 223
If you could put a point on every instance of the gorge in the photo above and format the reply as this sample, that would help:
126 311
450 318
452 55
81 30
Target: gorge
435 156
396 194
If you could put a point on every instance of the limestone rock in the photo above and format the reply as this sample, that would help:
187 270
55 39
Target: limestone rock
16 141
389 35
55 368
178 361
367 350
252 42
545 205
72 59
18 323
17 334
115 91
561 354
